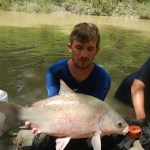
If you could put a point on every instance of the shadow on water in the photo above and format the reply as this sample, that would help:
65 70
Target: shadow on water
30 43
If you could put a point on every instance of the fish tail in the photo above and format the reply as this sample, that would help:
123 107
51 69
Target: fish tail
10 116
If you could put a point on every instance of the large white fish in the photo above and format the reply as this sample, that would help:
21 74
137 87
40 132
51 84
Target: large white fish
67 116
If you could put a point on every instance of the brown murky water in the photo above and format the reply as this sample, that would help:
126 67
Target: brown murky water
30 43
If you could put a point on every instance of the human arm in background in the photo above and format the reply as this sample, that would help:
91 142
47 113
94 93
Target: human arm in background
141 82
137 93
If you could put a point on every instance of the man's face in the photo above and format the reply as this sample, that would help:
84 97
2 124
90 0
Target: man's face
83 54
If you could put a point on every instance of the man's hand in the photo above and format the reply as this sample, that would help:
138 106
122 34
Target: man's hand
34 130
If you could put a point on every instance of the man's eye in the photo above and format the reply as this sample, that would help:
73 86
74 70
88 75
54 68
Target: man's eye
90 49
79 48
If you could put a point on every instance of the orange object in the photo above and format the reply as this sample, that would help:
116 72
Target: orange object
134 131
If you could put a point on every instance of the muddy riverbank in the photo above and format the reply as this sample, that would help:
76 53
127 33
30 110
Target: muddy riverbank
24 140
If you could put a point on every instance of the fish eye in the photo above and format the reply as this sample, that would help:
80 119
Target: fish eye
120 123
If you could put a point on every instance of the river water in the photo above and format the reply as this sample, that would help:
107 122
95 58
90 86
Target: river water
30 43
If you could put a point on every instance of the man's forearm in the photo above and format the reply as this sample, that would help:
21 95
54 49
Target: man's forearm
137 92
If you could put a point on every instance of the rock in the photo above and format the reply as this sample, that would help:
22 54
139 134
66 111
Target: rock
136 146
23 139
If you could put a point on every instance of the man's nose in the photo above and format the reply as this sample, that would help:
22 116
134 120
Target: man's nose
84 53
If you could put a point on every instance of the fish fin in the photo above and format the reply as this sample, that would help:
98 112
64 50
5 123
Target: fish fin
11 114
25 127
88 141
64 89
61 143
96 141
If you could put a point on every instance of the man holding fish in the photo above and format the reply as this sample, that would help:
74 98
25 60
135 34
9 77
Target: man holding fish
79 72
76 90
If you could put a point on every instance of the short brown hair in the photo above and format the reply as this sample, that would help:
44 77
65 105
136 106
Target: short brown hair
85 32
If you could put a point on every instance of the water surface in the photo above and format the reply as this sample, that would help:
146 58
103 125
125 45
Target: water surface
30 43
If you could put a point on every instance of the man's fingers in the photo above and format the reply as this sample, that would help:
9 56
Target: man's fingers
27 123
34 130
39 132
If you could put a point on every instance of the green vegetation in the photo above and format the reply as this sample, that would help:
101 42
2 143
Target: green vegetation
123 8
11 134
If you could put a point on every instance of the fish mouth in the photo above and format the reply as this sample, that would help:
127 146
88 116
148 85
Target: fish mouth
125 131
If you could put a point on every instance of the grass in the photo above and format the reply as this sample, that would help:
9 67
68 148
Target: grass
120 8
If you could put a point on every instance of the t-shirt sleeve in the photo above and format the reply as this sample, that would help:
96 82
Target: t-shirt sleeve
102 87
52 84
144 73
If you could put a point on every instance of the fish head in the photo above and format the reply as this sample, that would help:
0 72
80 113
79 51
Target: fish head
112 123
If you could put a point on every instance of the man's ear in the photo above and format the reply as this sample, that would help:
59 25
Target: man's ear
97 50
69 47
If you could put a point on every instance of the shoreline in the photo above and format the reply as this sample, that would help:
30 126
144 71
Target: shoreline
124 9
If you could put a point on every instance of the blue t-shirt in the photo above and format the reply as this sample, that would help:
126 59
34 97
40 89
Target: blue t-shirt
123 92
97 84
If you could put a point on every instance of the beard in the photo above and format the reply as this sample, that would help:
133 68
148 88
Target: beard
82 65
